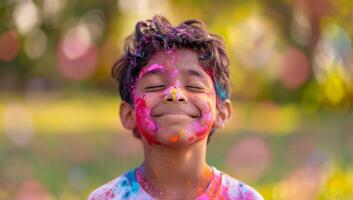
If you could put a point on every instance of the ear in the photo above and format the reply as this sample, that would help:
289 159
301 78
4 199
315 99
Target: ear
224 112
127 117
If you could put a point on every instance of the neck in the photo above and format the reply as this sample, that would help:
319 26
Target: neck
177 169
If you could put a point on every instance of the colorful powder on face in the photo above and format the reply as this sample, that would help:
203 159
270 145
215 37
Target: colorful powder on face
151 68
202 130
149 128
145 125
174 93
193 132
202 127
177 138
174 139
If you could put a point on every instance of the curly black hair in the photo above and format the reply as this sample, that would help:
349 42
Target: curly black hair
158 34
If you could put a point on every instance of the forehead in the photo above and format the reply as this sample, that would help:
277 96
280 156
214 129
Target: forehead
175 61
175 56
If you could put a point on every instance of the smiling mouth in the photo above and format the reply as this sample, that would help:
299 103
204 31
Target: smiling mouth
178 115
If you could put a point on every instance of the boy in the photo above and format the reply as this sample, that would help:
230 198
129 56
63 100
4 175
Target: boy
174 84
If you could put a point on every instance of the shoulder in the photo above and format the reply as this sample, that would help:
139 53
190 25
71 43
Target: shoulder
122 187
238 190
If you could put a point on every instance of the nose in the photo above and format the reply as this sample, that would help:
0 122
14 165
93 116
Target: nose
175 94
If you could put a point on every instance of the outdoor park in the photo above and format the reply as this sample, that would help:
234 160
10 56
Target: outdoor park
291 133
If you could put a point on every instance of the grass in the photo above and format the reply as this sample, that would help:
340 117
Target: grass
77 143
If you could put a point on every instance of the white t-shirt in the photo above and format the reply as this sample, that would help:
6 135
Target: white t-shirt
221 187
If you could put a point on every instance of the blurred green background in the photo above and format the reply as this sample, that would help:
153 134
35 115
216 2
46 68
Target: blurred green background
291 136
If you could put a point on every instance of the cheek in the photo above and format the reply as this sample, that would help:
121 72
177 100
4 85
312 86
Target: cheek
143 106
143 113
145 124
201 128
208 115
207 105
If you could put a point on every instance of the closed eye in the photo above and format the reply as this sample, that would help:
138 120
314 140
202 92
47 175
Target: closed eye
154 87
194 87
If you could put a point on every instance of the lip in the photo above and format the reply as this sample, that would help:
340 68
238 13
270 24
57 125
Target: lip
175 114
174 118
178 111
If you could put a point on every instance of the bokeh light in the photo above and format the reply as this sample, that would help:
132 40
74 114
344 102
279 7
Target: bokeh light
300 27
295 68
333 53
35 44
142 8
249 158
9 45
254 38
135 10
95 22
53 8
26 16
77 54
18 125
334 88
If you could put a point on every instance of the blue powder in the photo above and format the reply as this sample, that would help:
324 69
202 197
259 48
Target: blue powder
135 187
220 92
126 195
134 184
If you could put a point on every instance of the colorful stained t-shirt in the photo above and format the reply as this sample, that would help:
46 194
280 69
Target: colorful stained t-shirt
221 187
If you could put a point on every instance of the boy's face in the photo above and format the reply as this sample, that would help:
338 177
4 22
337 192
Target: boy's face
174 101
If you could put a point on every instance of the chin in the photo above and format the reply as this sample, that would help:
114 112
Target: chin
172 137
178 138
173 144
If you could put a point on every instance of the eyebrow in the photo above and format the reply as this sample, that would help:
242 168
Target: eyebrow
156 70
193 72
